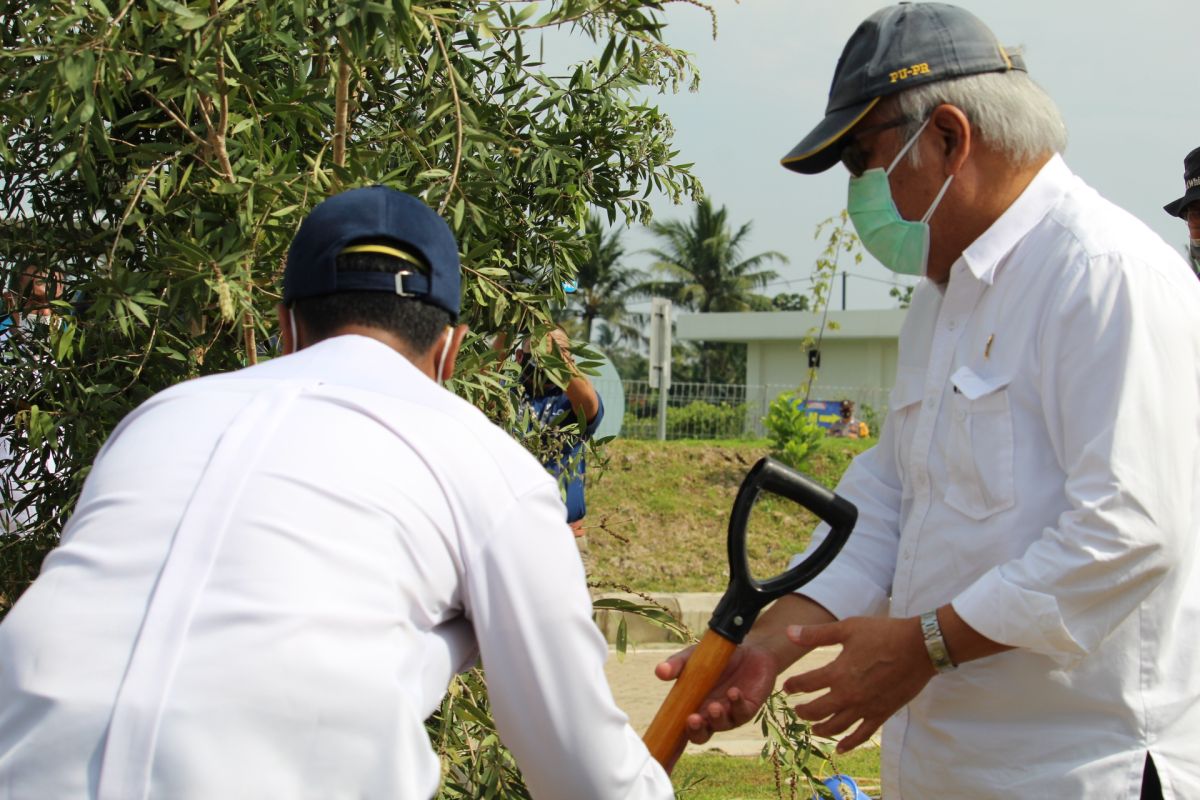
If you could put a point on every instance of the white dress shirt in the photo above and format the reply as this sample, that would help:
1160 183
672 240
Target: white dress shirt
270 579
1038 469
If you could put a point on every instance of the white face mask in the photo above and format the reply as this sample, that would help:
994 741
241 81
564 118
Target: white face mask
440 378
899 244
292 324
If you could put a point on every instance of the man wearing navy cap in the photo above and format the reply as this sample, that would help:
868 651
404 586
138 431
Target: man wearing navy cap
1018 599
1188 207
272 575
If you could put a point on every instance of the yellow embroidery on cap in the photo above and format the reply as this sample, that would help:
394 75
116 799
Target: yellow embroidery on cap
909 72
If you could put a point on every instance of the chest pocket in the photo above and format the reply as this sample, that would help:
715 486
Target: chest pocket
979 453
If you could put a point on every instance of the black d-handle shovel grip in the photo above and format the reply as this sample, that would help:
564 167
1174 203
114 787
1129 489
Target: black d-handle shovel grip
745 597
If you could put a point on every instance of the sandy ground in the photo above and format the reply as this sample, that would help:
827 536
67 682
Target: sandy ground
639 694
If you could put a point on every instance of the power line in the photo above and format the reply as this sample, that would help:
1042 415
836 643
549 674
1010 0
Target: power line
812 279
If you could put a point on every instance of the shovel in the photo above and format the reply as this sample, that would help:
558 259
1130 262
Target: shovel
745 597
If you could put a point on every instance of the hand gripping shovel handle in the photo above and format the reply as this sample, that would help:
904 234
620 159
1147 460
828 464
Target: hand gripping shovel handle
666 737
745 597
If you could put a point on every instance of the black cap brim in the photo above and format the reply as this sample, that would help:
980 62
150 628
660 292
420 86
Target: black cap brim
818 151
1178 208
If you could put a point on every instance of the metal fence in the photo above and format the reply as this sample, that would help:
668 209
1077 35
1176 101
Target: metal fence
723 411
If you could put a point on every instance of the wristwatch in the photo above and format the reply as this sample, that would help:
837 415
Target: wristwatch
935 645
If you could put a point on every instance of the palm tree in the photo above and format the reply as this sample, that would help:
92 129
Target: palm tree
703 265
703 270
604 286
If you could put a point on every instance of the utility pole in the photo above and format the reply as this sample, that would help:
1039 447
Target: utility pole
843 290
660 357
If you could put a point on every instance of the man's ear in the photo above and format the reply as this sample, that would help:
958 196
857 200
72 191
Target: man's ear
953 130
456 334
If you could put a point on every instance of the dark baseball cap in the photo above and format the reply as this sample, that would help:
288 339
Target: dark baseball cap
1191 185
381 220
897 48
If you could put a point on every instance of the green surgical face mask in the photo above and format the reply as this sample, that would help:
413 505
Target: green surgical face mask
899 244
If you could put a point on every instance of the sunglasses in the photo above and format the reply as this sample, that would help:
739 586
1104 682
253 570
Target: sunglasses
854 157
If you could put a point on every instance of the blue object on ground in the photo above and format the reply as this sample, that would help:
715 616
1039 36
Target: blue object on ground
843 786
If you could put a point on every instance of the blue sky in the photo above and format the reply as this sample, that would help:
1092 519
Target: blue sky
1126 77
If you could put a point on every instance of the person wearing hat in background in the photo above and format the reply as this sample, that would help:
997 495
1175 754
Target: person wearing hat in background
30 300
847 425
24 336
1188 207
1016 606
566 417
272 575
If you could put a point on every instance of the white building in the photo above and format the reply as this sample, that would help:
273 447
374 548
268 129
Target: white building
857 352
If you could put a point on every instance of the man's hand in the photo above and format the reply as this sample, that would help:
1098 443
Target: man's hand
745 685
558 341
883 665
750 676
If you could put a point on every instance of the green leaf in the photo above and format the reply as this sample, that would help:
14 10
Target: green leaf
458 213
606 56
64 162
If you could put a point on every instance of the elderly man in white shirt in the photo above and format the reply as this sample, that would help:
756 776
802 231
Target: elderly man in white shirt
1019 599
272 575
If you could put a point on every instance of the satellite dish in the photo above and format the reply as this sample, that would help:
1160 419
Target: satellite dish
612 393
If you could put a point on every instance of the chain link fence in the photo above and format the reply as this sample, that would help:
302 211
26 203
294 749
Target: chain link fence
726 411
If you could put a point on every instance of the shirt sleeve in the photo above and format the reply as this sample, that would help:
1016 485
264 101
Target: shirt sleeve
594 424
859 580
544 661
1118 357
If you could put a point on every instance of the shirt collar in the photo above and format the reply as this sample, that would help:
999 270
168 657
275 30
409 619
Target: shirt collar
986 254
349 360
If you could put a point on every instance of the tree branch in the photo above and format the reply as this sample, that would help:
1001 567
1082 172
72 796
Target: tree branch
216 133
341 110
458 116
175 117
133 201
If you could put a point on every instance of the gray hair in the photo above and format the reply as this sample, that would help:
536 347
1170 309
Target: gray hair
1008 110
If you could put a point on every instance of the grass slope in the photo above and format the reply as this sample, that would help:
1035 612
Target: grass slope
658 512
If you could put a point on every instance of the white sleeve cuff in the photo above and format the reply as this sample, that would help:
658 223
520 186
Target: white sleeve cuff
1009 614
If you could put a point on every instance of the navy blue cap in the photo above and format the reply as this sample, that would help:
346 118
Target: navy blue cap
378 219
1191 186
894 49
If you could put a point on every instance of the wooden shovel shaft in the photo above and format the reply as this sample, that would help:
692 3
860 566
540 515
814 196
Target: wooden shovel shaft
665 736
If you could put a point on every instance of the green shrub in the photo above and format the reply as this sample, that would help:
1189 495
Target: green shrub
696 420
700 420
794 434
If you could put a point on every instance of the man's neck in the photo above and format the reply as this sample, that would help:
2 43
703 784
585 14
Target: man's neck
985 192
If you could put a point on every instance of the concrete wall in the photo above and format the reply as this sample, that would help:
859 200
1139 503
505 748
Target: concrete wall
858 356
860 363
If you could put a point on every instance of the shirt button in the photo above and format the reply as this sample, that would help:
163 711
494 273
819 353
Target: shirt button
961 415
951 324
